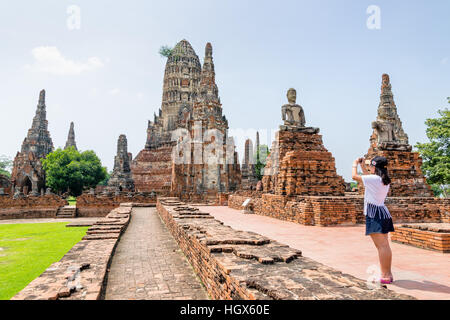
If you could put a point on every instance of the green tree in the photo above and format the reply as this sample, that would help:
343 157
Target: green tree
73 171
5 166
104 182
436 153
165 51
261 157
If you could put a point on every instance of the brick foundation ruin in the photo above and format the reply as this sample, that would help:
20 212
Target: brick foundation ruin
89 205
424 235
328 210
30 207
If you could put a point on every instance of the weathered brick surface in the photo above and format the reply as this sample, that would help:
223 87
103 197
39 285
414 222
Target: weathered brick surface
299 164
99 205
405 172
327 211
245 265
30 207
434 236
89 258
152 170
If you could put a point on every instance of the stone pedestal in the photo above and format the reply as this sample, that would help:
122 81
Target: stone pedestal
299 164
404 168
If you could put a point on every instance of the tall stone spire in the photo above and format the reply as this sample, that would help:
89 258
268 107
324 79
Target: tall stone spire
388 130
28 174
258 156
71 138
181 79
208 91
38 139
248 156
121 177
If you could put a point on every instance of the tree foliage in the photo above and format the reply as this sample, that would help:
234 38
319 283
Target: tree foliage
261 157
5 166
104 182
73 171
436 153
165 51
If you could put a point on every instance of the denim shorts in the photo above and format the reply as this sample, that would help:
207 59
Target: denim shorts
378 224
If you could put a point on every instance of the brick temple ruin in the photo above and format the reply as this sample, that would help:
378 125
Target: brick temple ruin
300 182
28 176
390 141
190 118
189 156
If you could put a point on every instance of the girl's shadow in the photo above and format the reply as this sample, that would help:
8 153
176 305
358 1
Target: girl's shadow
424 285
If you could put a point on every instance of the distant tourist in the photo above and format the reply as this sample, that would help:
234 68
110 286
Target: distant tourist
378 219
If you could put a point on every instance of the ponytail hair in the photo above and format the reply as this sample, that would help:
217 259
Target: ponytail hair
380 164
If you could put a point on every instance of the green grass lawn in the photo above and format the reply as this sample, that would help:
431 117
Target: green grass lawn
72 201
26 250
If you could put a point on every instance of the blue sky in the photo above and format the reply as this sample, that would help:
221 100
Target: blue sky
107 75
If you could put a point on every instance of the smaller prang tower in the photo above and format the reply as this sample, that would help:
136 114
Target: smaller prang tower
390 141
71 138
121 179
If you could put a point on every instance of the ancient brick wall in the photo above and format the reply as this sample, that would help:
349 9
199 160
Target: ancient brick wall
444 208
428 236
405 171
152 170
244 265
348 210
99 205
30 207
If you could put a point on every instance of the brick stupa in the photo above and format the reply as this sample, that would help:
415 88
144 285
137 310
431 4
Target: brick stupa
298 163
390 141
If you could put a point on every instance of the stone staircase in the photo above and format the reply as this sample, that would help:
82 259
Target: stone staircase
66 212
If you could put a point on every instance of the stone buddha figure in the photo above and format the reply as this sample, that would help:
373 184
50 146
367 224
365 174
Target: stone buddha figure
292 113
293 116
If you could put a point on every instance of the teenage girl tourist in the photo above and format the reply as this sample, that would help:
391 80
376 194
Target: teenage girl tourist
378 219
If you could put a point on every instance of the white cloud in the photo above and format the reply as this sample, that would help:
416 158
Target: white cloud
444 60
114 92
50 60
140 95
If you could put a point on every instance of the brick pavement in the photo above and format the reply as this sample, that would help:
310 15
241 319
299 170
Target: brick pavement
421 273
149 265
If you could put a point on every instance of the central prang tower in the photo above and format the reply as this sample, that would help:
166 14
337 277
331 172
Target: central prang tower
190 101
180 86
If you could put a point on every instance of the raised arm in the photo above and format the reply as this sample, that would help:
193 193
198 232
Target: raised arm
355 175
364 167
